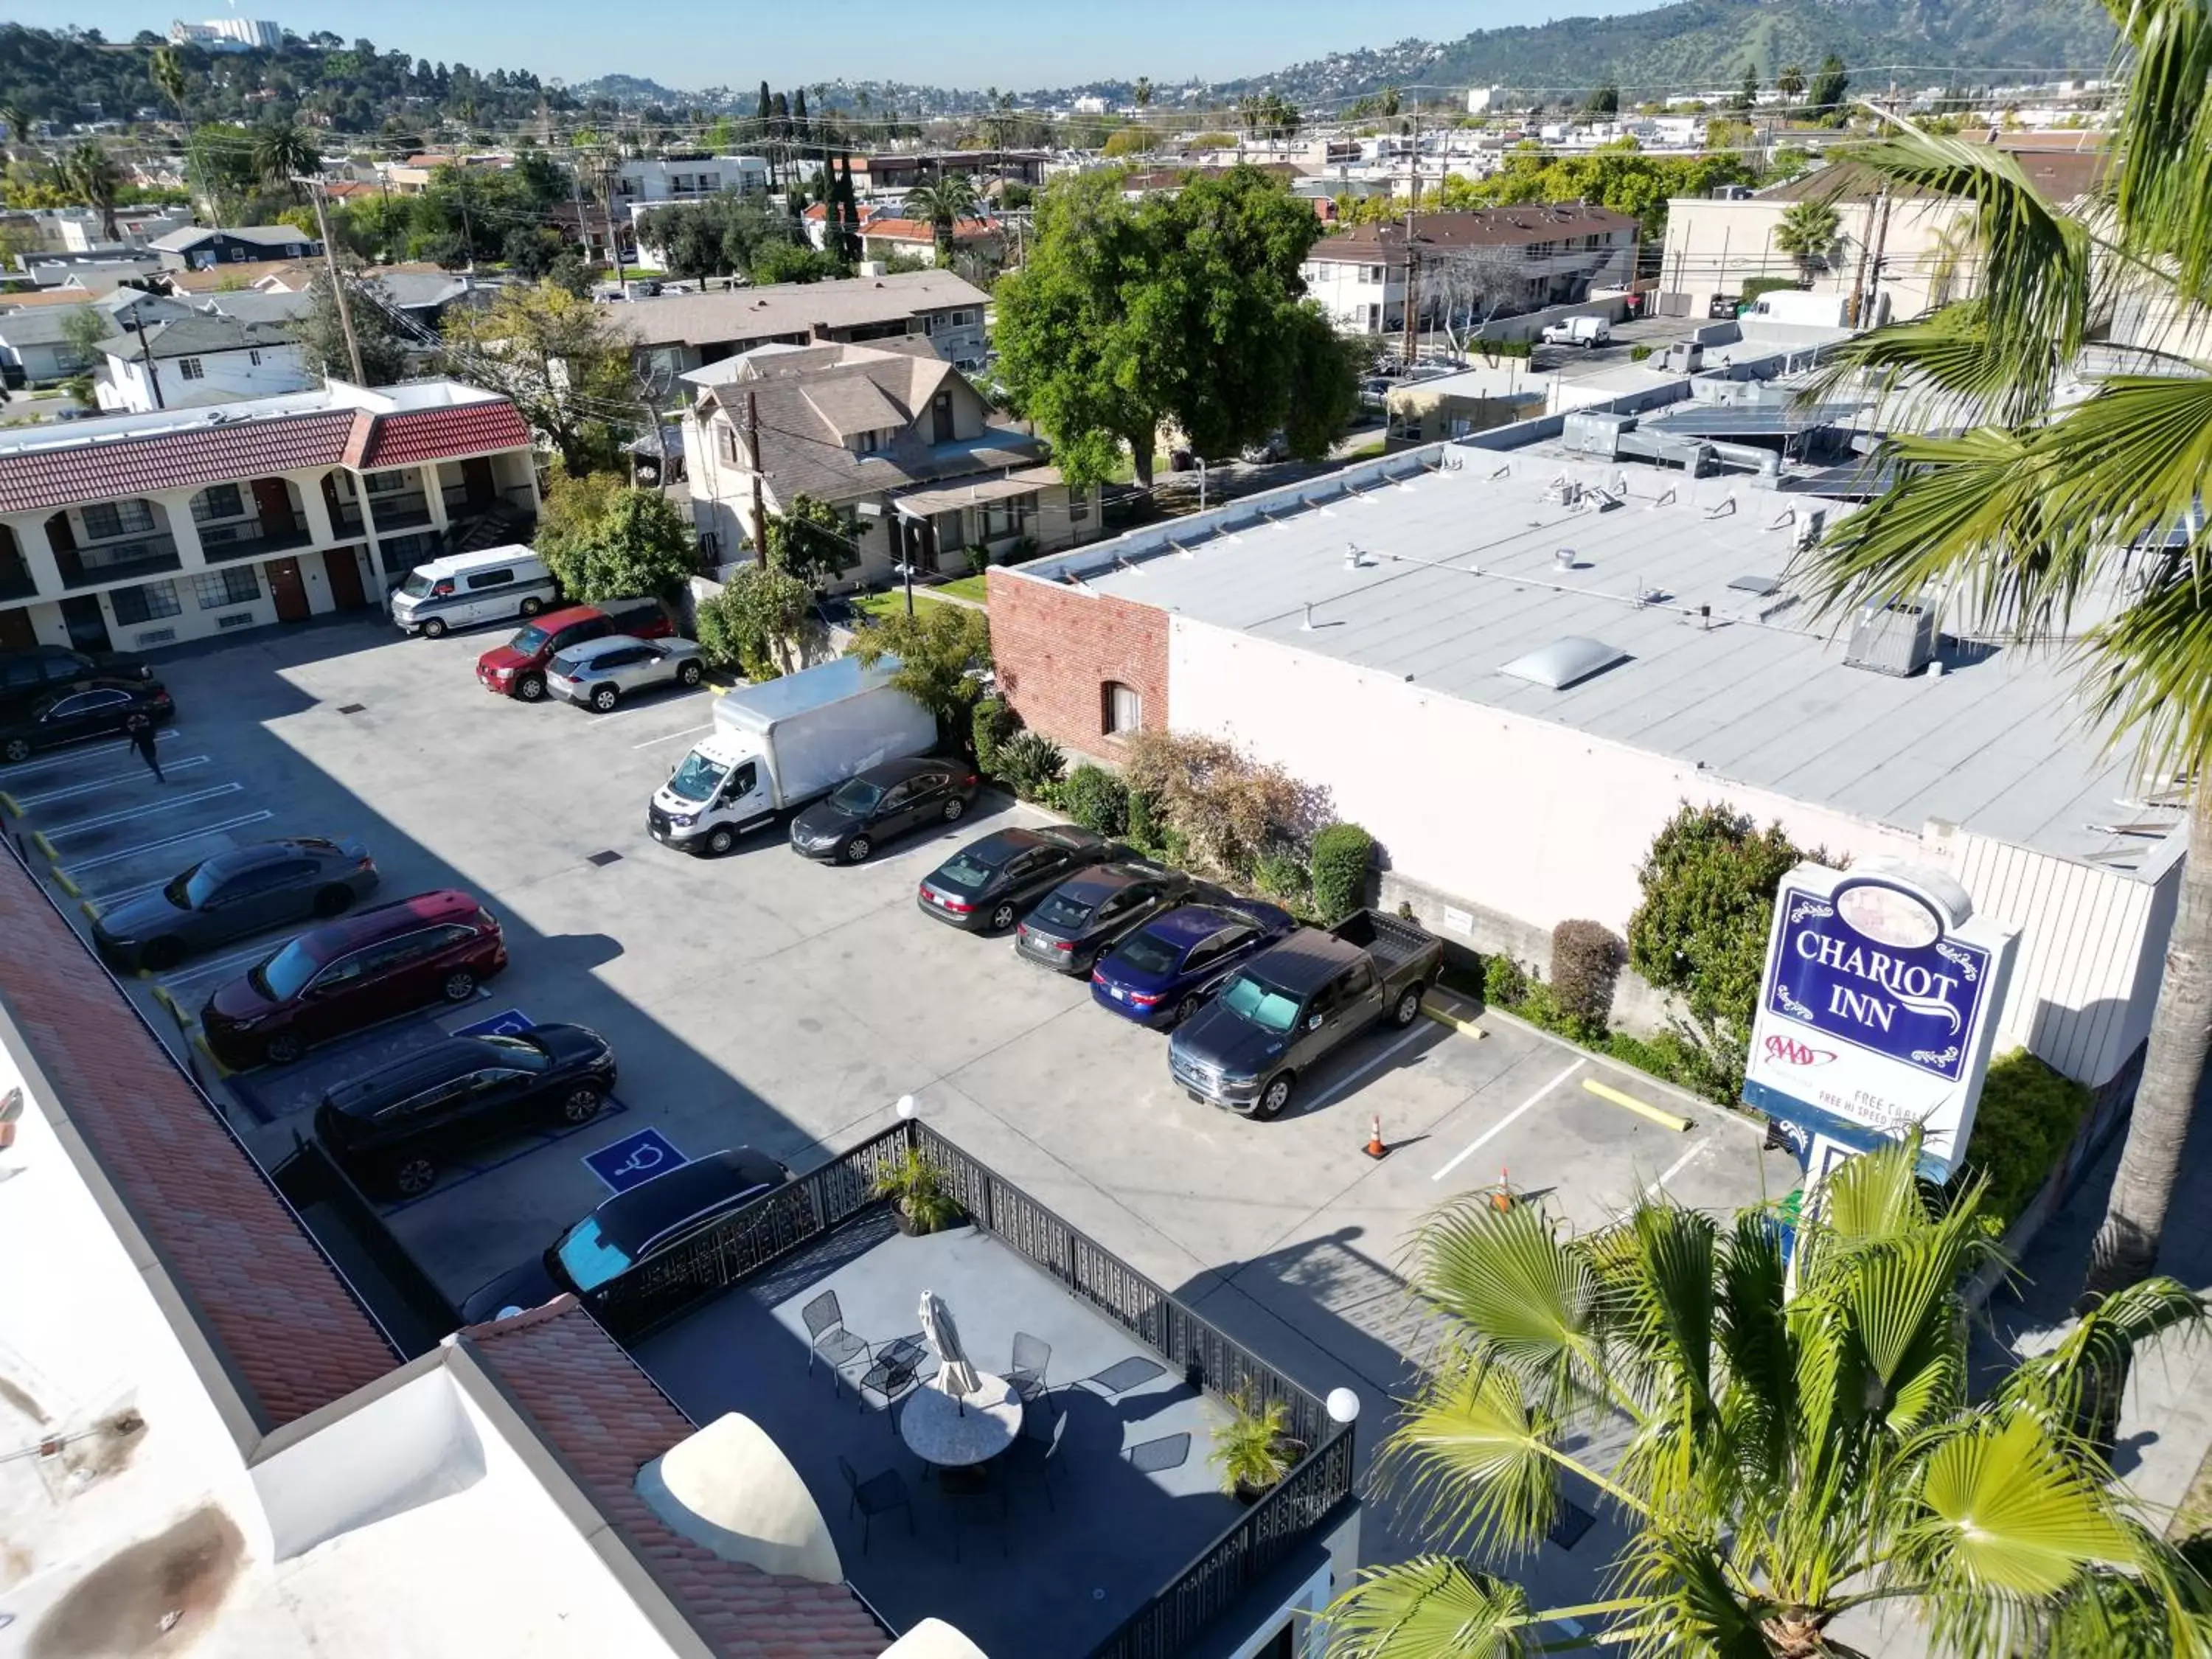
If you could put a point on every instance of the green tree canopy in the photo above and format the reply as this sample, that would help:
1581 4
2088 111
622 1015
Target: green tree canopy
555 355
810 539
763 621
1830 86
604 540
1618 176
938 649
384 350
1808 233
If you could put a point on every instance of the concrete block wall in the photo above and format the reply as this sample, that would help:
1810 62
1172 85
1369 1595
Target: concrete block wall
1056 645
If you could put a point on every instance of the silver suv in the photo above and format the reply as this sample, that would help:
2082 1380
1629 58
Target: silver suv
600 673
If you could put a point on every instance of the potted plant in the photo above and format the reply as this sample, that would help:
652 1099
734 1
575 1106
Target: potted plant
922 1197
1252 1450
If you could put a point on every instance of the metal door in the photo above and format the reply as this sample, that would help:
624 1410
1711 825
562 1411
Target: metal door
16 633
288 590
342 566
273 503
86 621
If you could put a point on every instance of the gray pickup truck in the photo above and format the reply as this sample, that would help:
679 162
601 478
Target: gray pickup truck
1295 1002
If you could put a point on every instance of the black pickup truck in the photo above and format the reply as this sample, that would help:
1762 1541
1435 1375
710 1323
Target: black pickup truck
1294 1003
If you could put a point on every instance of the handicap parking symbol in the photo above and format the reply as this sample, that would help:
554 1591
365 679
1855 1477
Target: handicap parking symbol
508 1022
634 1158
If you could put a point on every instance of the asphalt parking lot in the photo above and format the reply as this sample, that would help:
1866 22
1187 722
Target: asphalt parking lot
763 998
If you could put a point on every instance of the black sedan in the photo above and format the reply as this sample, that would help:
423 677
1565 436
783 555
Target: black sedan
97 709
864 812
270 884
392 1128
46 670
1084 917
987 883
652 1216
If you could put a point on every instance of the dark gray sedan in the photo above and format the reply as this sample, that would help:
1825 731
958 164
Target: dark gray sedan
248 889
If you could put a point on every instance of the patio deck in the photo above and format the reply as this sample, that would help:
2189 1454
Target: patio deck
1043 1583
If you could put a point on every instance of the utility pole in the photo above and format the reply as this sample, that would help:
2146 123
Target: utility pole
146 357
337 284
1873 274
753 450
1412 349
1874 205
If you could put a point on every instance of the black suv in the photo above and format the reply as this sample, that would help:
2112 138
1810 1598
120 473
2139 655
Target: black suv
393 1127
987 883
45 671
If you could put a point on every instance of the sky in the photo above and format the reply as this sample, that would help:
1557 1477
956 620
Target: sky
965 42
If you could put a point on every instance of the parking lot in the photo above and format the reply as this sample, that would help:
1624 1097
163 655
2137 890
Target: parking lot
765 1000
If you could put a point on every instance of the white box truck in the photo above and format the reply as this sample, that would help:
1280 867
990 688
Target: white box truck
779 744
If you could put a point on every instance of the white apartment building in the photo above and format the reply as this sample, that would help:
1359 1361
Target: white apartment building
649 181
145 529
1563 249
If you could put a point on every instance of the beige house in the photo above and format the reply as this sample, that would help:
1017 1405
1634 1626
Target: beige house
888 433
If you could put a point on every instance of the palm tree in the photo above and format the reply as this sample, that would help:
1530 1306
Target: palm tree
1141 93
166 71
1791 83
282 154
1807 234
942 205
1786 1440
90 172
2038 508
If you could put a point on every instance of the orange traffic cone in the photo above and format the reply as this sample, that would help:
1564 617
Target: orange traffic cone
1375 1148
1503 1198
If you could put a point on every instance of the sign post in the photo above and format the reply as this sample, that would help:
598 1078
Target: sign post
1877 1012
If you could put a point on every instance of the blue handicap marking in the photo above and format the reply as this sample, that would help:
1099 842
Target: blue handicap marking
508 1022
634 1158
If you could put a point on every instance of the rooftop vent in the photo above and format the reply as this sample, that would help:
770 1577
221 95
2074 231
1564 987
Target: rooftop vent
1564 558
1758 586
1563 662
1898 638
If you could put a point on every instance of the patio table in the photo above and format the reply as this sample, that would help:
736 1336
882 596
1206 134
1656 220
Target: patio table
953 1434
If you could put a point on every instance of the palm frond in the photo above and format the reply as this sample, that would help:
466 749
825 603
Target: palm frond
1691 1602
2061 1383
1430 1607
1752 1336
2150 668
1479 1460
2164 136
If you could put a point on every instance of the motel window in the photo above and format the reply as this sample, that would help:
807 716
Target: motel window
217 502
145 602
105 519
239 585
1121 710
190 368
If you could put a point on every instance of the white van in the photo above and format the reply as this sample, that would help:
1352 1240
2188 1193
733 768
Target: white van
491 586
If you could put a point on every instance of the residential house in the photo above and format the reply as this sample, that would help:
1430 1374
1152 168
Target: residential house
411 176
1556 253
35 347
80 230
650 181
92 273
678 332
199 247
140 530
888 433
885 235
200 359
898 171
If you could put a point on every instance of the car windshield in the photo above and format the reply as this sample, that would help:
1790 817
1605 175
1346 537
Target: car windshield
1148 955
588 1256
286 973
698 778
965 871
520 1052
529 642
1060 911
192 889
1263 1005
858 798
417 586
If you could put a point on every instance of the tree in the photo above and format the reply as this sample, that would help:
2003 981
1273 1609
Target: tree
1791 83
937 648
1474 284
763 621
1604 102
790 261
385 351
941 205
283 154
1786 1438
552 354
603 539
2039 503
1807 234
811 541
91 174
87 330
17 119
1830 84
1747 96
1141 93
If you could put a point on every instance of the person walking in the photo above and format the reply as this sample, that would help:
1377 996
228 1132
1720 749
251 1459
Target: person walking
141 739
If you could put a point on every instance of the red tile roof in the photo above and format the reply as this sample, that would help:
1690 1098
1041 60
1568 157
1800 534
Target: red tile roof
424 435
285 1327
606 1419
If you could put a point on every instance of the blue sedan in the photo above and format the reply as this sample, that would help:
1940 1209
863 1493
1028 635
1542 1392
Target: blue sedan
1161 974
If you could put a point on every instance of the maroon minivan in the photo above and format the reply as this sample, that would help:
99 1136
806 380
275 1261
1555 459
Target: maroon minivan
374 963
516 669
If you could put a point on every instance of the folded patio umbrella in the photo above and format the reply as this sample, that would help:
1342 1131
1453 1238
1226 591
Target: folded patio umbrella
954 1374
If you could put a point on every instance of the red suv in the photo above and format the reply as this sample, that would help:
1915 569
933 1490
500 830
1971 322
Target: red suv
329 980
516 669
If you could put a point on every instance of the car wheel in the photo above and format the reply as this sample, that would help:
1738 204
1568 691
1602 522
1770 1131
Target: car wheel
18 749
434 628
720 841
1188 1007
460 985
1274 1097
689 674
283 1048
530 688
1407 1008
581 1104
414 1176
1002 918
161 953
604 697
532 606
857 849
953 809
333 901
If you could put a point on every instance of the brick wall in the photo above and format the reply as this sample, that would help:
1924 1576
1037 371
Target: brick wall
1056 647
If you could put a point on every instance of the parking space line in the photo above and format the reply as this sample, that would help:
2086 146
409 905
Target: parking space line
665 737
647 708
111 820
1683 1162
1482 1139
102 782
216 965
1360 1071
116 857
71 757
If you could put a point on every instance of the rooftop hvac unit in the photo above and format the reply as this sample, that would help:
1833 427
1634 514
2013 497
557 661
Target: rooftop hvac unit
1594 432
1898 638
1809 527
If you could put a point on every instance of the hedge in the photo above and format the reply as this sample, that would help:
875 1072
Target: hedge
1342 854
2026 1119
1097 800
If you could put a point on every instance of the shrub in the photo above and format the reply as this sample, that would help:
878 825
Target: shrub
1225 808
989 726
2027 1116
1143 824
1028 762
1638 352
1586 960
979 559
1342 853
1281 876
1097 800
1504 981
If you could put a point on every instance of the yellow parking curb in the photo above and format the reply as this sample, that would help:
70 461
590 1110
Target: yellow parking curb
67 885
208 1054
1642 1109
38 839
8 803
1446 1015
85 905
161 995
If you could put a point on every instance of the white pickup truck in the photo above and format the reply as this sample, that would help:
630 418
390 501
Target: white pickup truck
1583 331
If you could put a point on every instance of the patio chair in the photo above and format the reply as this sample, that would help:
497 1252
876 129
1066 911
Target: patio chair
1037 1451
1032 1359
880 1494
1169 1451
893 1372
828 1338
978 1486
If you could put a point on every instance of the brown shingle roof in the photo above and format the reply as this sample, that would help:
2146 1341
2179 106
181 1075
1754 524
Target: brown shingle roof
1517 225
285 1327
606 1419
